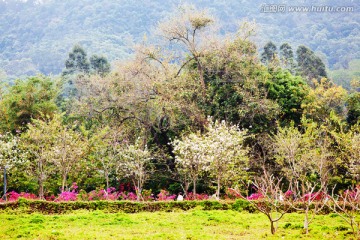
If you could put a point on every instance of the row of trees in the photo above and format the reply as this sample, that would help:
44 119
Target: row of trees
306 63
147 121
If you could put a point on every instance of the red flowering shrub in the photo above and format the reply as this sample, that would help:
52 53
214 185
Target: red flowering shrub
233 194
316 196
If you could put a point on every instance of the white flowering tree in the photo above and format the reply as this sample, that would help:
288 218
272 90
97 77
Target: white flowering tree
219 151
189 157
225 152
135 163
10 155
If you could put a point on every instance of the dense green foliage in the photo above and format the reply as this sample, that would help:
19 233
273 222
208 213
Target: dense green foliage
25 100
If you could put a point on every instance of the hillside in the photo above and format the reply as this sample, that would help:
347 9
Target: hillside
36 36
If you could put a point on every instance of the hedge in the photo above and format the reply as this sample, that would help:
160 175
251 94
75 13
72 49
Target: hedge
48 207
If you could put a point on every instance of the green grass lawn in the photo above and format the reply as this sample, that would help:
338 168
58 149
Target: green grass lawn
193 224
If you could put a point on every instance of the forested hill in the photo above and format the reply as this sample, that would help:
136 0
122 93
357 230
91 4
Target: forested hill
36 36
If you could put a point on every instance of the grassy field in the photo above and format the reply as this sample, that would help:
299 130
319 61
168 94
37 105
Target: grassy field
193 224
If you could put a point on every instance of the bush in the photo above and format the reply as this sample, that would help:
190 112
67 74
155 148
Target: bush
30 206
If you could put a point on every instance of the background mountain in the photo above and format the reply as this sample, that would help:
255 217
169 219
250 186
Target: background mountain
36 36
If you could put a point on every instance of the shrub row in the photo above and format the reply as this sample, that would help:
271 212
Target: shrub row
47 207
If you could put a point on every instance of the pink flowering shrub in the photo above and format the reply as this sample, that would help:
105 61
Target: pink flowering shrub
66 196
127 196
14 196
353 195
202 196
255 196
97 195
70 195
165 196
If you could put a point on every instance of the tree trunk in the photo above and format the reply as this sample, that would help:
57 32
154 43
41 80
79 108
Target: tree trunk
41 180
273 229
202 81
194 188
138 190
306 220
5 182
63 183
107 180
41 189
218 188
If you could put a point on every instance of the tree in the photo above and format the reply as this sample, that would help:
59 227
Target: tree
310 66
189 157
77 61
289 92
347 206
39 140
353 104
305 160
106 149
323 99
25 100
185 28
52 147
99 65
135 164
268 202
225 152
10 154
219 151
269 53
67 150
287 57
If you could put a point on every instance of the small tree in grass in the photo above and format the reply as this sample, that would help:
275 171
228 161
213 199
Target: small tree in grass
347 206
312 203
270 199
305 160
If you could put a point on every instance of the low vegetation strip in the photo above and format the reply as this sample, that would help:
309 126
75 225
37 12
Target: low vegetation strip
47 207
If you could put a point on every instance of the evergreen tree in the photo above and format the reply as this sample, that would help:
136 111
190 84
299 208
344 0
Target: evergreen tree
269 53
77 61
287 57
99 65
310 66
